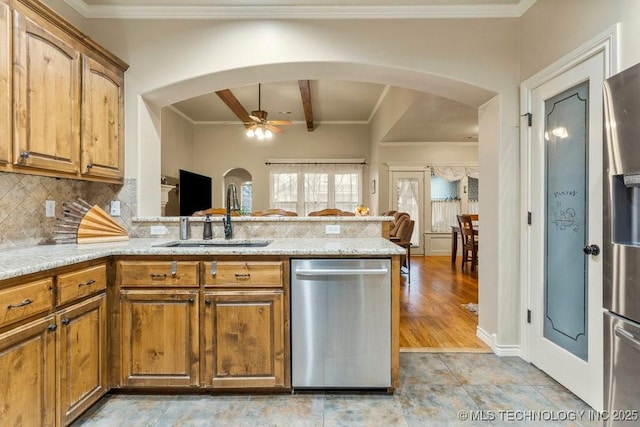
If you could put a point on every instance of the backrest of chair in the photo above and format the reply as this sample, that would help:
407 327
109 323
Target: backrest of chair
273 212
398 219
331 212
388 213
406 231
214 212
466 228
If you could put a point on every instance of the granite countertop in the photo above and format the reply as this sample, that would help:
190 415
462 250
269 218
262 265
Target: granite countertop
22 261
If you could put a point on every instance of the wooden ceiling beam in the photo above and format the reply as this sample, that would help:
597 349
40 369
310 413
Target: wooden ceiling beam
234 105
305 92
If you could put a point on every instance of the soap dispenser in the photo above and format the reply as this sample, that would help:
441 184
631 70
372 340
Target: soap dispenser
207 234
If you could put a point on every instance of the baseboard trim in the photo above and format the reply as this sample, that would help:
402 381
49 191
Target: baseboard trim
446 350
498 349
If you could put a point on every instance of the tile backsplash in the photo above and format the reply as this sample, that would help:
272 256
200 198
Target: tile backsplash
22 200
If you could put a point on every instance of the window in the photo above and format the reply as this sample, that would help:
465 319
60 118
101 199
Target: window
305 188
246 196
445 204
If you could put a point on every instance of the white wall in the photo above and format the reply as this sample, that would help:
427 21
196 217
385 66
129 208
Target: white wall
219 148
177 143
550 29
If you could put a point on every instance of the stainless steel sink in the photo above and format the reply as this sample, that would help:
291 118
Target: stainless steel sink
217 244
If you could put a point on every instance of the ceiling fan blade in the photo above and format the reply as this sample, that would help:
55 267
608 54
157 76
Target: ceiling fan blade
255 119
273 128
280 122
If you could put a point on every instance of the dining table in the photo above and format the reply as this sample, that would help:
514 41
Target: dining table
455 229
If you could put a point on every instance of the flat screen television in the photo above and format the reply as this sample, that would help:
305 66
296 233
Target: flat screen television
194 192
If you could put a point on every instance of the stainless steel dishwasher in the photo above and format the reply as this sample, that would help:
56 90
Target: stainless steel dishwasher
341 323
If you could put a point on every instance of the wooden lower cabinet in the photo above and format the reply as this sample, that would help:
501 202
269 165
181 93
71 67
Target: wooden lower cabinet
244 344
159 338
82 362
27 385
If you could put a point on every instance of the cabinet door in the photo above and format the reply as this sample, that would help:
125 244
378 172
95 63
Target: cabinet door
47 99
243 339
5 85
102 120
82 352
27 383
160 338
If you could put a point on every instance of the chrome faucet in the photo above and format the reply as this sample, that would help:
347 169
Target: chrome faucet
232 205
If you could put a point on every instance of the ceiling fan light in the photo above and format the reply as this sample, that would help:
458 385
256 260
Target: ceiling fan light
250 133
259 133
268 134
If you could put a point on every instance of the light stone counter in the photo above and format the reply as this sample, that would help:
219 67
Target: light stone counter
18 262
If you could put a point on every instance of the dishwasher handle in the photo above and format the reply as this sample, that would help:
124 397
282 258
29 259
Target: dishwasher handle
341 271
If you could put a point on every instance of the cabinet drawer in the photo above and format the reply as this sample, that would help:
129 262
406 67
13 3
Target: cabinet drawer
244 274
158 273
25 300
81 283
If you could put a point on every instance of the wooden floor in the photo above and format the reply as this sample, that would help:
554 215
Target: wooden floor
432 315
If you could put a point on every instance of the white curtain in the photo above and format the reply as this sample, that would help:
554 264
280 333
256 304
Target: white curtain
473 206
443 215
455 173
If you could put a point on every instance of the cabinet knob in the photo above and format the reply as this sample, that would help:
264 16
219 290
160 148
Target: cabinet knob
52 327
591 250
24 154
191 300
66 321
207 302
89 166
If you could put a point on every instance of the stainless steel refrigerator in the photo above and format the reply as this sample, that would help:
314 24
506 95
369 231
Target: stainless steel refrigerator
622 245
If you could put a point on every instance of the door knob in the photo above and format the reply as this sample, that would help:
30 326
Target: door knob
591 250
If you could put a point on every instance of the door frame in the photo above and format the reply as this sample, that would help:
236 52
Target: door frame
607 43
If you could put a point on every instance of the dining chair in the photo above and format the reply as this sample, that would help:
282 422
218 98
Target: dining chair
469 242
273 212
331 212
403 239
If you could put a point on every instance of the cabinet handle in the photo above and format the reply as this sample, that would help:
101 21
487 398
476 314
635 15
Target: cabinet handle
66 321
52 327
243 276
191 300
155 276
24 155
174 268
22 304
87 283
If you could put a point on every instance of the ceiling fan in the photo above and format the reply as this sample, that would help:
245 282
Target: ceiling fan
260 127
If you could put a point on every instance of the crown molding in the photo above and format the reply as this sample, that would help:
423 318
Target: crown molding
299 12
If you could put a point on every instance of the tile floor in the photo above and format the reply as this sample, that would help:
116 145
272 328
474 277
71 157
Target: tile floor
435 389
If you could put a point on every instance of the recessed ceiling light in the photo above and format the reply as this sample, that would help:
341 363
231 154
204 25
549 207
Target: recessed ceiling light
284 112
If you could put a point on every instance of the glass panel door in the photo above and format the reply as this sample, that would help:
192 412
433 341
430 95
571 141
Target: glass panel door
566 276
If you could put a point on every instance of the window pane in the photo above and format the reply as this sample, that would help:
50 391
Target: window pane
445 204
347 191
285 191
245 197
408 200
316 192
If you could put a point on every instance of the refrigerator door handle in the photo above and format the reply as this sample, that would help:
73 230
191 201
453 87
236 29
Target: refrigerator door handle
628 337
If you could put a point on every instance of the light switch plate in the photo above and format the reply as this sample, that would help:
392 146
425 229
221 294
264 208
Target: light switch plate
115 208
157 230
332 229
49 208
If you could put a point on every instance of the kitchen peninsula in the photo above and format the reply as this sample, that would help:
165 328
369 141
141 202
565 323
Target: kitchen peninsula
140 315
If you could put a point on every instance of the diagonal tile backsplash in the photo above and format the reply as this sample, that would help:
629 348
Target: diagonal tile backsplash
22 200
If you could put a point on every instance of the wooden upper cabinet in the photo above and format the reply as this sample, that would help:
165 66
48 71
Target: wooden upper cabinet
5 85
102 120
46 97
